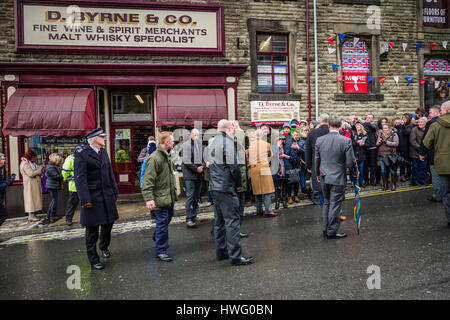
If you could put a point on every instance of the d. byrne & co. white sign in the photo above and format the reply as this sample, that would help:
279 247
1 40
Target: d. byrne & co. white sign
161 28
274 112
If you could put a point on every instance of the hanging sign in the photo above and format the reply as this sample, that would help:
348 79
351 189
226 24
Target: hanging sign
355 82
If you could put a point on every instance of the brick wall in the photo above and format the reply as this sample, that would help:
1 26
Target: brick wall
399 23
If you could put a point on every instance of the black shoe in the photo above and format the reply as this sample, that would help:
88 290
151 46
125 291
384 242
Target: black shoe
69 223
337 236
106 253
424 183
448 225
164 257
46 221
324 234
222 256
414 184
277 205
243 235
374 184
285 204
242 261
98 266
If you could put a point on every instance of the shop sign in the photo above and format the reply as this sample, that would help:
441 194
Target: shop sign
120 27
355 82
274 112
435 13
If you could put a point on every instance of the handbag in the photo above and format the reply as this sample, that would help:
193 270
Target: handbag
293 176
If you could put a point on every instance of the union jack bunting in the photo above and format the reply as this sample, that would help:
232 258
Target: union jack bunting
437 67
355 57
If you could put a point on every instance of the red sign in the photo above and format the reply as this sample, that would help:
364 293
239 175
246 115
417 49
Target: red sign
435 13
355 82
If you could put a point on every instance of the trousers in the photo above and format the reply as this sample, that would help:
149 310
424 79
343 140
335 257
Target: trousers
331 211
192 197
445 179
437 185
3 214
72 204
92 238
161 236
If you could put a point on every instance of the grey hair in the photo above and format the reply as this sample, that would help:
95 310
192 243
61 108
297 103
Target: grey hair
335 121
324 118
424 119
2 156
91 140
223 125
445 106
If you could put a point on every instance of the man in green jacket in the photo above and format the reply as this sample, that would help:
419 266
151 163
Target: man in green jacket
159 192
438 138
72 202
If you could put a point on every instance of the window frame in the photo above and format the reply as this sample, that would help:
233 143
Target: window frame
272 54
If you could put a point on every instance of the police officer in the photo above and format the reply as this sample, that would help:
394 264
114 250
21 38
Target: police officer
72 203
97 191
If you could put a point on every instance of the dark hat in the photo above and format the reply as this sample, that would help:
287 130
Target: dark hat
294 121
94 133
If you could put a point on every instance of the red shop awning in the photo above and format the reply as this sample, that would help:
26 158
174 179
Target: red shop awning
50 112
181 107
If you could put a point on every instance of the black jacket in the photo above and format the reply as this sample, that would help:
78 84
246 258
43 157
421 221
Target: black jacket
360 152
225 172
95 182
403 132
192 158
371 129
54 177
309 151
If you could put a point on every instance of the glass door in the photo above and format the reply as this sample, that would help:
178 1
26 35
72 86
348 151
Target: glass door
123 159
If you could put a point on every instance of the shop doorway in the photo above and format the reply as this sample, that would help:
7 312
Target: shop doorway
127 144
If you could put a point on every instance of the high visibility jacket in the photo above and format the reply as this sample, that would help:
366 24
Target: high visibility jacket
67 173
122 156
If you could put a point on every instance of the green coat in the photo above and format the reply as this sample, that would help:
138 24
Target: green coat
438 138
67 173
159 181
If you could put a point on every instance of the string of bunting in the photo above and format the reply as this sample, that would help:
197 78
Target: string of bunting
389 45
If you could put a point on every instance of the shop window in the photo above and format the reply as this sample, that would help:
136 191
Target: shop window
44 146
437 75
272 63
131 106
356 66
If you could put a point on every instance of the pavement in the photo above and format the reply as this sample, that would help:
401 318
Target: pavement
132 208
404 243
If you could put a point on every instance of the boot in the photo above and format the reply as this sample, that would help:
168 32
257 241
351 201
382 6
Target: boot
32 217
284 199
296 199
384 184
393 182
277 202
290 200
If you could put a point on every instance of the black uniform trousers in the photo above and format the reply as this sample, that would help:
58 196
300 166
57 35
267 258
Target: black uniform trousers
371 165
3 214
227 224
72 205
92 238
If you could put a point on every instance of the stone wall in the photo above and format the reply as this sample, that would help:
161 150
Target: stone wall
399 23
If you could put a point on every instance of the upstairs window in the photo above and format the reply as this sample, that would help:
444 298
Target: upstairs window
356 66
272 63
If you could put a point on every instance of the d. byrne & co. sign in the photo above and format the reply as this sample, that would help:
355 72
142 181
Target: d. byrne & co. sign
119 27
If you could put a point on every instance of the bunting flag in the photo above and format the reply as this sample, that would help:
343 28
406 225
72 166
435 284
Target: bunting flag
357 208
382 79
396 79
432 44
331 50
369 79
409 79
391 44
355 40
444 44
335 66
342 36
339 79
422 82
331 40
404 45
419 46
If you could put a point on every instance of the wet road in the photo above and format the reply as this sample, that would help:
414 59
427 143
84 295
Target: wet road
403 234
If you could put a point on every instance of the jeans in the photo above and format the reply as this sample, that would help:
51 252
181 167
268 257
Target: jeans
303 174
3 214
384 168
51 213
437 184
192 191
210 199
161 236
445 180
293 187
267 202
361 173
418 170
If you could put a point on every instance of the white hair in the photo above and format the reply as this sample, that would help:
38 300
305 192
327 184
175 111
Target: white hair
424 119
223 125
323 118
445 107
91 140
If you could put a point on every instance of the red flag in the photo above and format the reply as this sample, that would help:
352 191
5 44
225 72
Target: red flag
432 44
340 79
391 44
331 40
422 82
382 79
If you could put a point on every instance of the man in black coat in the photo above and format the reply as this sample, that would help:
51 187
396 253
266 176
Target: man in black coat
310 144
97 191
371 150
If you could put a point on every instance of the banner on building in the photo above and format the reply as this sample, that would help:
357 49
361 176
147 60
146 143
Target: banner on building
120 27
274 112
355 82
435 13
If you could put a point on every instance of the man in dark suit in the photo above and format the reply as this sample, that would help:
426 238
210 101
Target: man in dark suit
333 155
310 143
97 191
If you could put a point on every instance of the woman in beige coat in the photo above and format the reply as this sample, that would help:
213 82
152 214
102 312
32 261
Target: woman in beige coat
32 192
258 155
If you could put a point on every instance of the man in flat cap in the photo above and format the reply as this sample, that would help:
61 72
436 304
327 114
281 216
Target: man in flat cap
97 191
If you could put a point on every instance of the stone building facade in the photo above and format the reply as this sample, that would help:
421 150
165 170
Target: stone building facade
245 70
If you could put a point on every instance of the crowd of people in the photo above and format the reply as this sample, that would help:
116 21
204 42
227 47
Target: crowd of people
262 162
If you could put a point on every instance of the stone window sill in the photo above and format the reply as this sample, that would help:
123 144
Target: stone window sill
254 96
368 2
359 97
